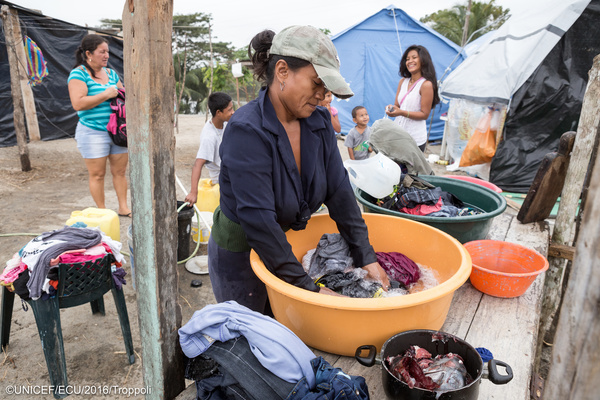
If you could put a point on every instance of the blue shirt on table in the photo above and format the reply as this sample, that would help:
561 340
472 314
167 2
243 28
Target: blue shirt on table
263 191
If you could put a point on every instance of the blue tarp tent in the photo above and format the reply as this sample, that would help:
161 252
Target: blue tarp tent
370 53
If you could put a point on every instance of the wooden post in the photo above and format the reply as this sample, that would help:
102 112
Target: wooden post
15 88
150 89
33 127
576 356
589 121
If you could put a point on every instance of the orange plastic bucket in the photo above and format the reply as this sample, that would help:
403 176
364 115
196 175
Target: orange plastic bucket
340 325
504 269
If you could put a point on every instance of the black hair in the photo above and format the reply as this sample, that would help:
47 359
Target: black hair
355 110
218 101
427 69
263 63
88 43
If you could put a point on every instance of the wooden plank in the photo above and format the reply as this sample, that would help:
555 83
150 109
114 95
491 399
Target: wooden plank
587 130
500 226
33 127
561 251
462 310
15 88
150 89
509 327
576 356
548 182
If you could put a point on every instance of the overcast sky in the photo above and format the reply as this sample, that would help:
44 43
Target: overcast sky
237 21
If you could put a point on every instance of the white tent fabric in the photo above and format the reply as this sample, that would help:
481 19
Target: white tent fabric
499 67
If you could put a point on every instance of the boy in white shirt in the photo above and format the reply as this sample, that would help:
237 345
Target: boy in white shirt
221 109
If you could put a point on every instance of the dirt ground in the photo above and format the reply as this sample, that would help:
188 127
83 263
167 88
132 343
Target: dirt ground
42 200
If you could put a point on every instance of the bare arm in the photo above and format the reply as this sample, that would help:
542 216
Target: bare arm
351 153
192 196
426 100
81 101
392 110
335 121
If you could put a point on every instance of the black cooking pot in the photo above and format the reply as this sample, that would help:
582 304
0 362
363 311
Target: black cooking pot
436 343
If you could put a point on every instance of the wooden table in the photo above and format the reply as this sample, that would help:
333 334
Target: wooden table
507 327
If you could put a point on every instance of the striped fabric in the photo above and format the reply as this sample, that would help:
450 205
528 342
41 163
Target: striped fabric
97 117
36 65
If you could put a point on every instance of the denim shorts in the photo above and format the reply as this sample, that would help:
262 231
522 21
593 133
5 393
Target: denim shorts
95 144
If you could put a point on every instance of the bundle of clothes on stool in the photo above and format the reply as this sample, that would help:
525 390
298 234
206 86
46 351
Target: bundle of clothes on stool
32 272
235 353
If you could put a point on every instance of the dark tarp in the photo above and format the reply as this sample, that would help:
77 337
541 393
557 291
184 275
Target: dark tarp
58 41
547 105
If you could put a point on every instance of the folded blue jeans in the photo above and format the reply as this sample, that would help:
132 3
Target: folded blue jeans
235 357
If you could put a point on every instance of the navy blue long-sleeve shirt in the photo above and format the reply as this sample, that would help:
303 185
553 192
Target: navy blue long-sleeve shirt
263 191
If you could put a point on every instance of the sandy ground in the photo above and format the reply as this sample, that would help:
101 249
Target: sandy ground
42 200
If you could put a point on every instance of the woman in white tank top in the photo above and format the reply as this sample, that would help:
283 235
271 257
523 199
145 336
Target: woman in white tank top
416 94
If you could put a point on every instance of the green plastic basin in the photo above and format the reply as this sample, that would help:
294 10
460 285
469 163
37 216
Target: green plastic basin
464 229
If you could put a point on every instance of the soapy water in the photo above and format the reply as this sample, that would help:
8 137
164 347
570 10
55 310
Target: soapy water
428 280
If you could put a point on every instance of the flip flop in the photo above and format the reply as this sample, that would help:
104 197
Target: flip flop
128 215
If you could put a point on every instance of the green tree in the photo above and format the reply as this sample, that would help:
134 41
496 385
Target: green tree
107 23
450 22
191 32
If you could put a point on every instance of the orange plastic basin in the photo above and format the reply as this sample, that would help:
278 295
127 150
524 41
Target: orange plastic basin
339 325
504 269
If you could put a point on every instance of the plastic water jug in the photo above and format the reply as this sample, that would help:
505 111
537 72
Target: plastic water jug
208 195
203 233
105 219
376 176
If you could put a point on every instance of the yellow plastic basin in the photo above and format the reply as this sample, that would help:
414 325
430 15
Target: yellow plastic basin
339 325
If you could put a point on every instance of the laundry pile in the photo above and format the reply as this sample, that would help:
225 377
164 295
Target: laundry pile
415 196
331 265
32 272
237 353
417 368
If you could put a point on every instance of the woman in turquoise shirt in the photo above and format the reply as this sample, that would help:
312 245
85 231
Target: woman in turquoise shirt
91 88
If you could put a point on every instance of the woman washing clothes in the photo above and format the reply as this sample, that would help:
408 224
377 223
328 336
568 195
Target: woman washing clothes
417 93
279 163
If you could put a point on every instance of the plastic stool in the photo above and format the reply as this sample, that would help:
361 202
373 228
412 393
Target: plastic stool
78 283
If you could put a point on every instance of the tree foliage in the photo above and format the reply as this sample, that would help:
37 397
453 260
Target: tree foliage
191 33
191 42
450 22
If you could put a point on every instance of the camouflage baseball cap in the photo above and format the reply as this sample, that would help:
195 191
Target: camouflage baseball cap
310 44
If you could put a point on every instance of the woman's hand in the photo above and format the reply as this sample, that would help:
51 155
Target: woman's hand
111 92
375 272
324 290
392 111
